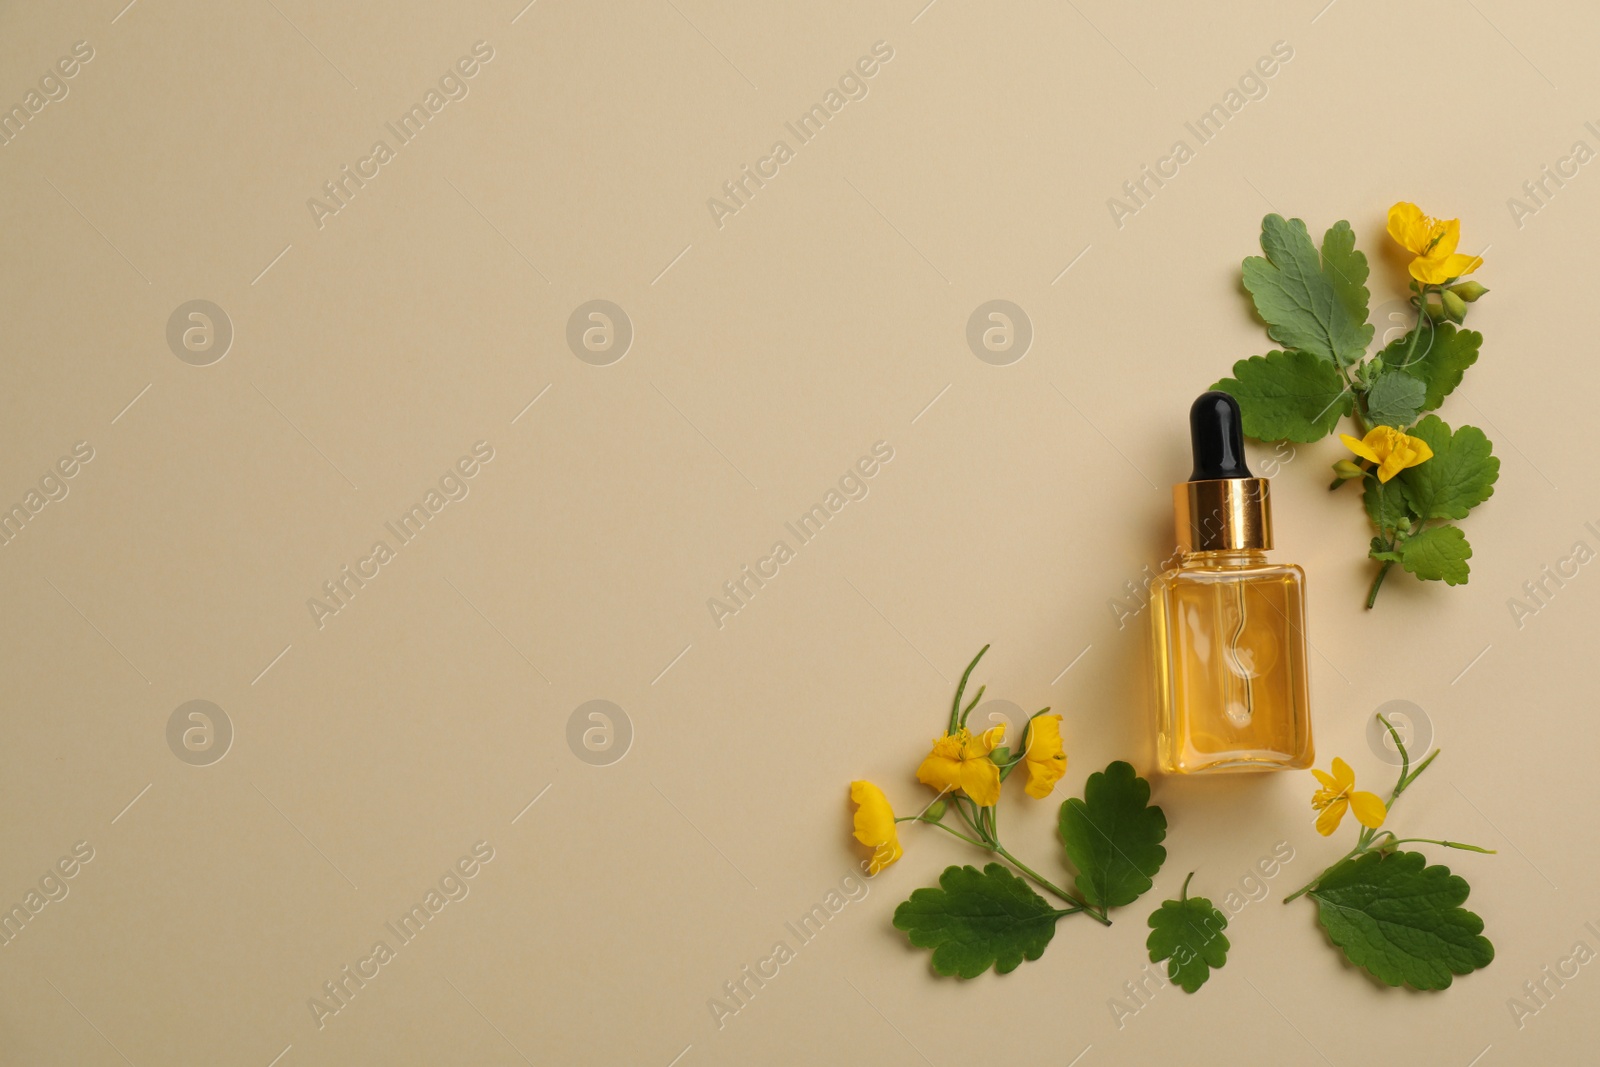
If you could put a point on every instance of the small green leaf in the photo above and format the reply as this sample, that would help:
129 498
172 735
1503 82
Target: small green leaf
1395 399
1402 920
1459 477
1295 295
1113 836
978 919
1288 396
1438 553
1386 506
1187 932
1346 268
1443 354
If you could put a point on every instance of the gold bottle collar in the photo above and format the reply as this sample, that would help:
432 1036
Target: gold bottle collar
1223 514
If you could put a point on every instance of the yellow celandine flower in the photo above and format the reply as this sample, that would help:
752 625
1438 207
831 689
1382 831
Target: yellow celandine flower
1433 242
1047 758
1337 795
875 825
1390 449
961 761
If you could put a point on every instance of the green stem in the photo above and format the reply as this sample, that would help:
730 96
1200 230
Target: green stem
955 705
1070 898
998 849
1312 884
1383 572
946 829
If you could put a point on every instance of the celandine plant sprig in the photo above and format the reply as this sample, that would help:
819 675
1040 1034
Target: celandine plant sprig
977 919
1418 474
1384 907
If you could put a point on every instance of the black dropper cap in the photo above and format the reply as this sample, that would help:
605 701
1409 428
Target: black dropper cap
1216 434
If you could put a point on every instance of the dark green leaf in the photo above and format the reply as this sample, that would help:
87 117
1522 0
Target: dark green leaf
1442 355
978 919
1437 553
1386 506
1395 399
1188 934
1113 836
1402 920
1291 396
1459 477
1346 268
1295 296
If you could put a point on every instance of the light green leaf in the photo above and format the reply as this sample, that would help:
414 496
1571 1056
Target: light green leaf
1346 268
1402 920
1395 399
978 919
1296 298
1442 355
1187 932
1459 477
1439 553
1288 396
1113 836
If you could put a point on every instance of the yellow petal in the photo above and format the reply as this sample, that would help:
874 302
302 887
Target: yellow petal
1369 810
1328 821
941 772
980 780
874 825
1408 226
1044 774
1342 774
1443 239
1044 737
985 742
1326 779
1454 266
1390 467
1436 270
1360 448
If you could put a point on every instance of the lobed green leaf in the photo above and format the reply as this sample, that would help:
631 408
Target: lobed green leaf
1459 477
1288 396
978 919
1113 836
1188 934
1295 296
1439 553
1402 920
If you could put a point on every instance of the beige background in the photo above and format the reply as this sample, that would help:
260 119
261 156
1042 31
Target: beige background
828 314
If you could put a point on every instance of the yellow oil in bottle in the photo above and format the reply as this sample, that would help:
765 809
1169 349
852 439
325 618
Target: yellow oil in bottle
1231 664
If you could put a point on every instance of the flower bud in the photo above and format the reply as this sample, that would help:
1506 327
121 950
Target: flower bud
1455 309
1468 291
935 811
1346 469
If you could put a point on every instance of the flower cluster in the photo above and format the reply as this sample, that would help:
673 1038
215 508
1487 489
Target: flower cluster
968 769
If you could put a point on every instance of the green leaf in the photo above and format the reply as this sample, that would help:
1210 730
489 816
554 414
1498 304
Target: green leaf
1113 836
1437 553
1288 396
1459 477
1347 269
1187 932
1402 920
1395 399
1386 506
1295 296
1442 356
978 919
